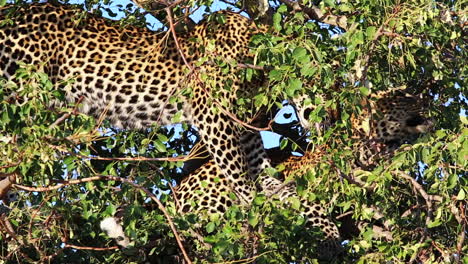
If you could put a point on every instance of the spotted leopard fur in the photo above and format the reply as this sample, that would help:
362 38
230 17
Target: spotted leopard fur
207 190
131 73
388 119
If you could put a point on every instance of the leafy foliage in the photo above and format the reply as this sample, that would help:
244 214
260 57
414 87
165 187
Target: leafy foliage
418 196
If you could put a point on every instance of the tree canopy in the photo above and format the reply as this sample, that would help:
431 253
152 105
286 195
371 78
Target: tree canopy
69 171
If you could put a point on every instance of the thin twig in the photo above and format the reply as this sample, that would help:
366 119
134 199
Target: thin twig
415 256
90 248
34 214
51 256
282 186
255 67
247 66
6 225
9 166
377 35
237 120
174 196
344 214
66 115
354 180
462 234
174 35
378 231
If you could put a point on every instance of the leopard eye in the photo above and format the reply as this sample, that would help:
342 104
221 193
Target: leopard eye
415 121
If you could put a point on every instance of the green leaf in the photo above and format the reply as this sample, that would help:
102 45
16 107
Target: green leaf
434 224
204 184
275 75
461 195
177 117
283 143
365 125
368 234
259 200
210 239
463 119
293 86
330 3
453 35
210 227
252 218
220 18
364 91
152 251
277 21
345 7
358 38
299 52
452 181
232 196
409 57
160 146
145 141
163 138
295 203
282 8
110 210
308 70
370 32
260 100
345 205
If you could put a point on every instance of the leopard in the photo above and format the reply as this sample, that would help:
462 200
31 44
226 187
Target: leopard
130 74
397 117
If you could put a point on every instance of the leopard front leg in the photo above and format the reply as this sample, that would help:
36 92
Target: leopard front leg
223 139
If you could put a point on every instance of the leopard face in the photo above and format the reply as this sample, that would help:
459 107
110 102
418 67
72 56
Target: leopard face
394 118
391 117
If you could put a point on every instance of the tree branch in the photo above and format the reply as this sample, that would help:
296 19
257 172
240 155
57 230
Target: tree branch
114 178
421 191
6 183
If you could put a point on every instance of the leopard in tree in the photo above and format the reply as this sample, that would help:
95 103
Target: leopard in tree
131 73
397 117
